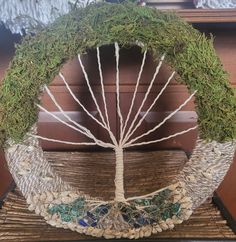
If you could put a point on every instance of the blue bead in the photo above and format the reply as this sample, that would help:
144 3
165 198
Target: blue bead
142 220
94 224
137 225
102 210
125 217
83 223
92 216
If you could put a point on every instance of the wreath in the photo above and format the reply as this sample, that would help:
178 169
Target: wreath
169 39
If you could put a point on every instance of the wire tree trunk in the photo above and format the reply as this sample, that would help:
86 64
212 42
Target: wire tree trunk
119 176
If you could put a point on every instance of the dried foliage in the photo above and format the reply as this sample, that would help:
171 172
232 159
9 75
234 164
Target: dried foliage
39 58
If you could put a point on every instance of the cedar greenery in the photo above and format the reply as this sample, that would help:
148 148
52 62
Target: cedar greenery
39 58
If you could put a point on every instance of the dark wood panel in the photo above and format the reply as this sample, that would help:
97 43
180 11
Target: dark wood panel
129 66
7 42
171 4
226 191
169 100
186 9
208 15
5 177
225 44
56 130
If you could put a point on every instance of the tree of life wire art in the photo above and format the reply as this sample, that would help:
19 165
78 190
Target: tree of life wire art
65 206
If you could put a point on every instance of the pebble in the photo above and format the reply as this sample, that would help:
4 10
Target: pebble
30 148
71 226
170 223
66 200
96 232
23 172
52 222
147 231
108 234
177 198
29 199
37 210
163 225
158 228
173 186
141 233
136 236
188 213
47 178
43 197
186 200
31 207
186 205
49 197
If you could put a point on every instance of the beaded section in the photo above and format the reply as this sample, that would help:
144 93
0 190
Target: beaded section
155 213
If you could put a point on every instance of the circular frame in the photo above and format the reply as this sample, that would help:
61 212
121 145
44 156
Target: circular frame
39 58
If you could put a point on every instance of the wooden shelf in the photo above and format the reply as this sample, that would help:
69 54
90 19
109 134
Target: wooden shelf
208 15
187 10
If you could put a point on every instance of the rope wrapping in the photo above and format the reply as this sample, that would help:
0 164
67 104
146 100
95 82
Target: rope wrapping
119 177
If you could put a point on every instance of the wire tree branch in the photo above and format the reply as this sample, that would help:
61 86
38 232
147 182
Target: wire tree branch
88 134
78 101
102 87
164 120
117 50
159 140
112 136
134 94
151 106
84 131
86 111
91 91
63 113
60 141
145 98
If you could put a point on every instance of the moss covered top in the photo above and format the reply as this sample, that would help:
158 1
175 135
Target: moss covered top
39 58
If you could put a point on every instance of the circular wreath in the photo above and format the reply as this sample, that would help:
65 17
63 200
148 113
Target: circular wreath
39 58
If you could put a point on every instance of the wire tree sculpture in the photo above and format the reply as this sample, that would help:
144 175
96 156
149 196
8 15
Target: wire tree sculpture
118 144
60 203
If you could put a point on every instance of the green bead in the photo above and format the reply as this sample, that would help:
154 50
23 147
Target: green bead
66 217
146 202
165 215
138 201
176 207
74 212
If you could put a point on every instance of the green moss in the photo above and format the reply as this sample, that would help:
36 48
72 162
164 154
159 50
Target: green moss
39 58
